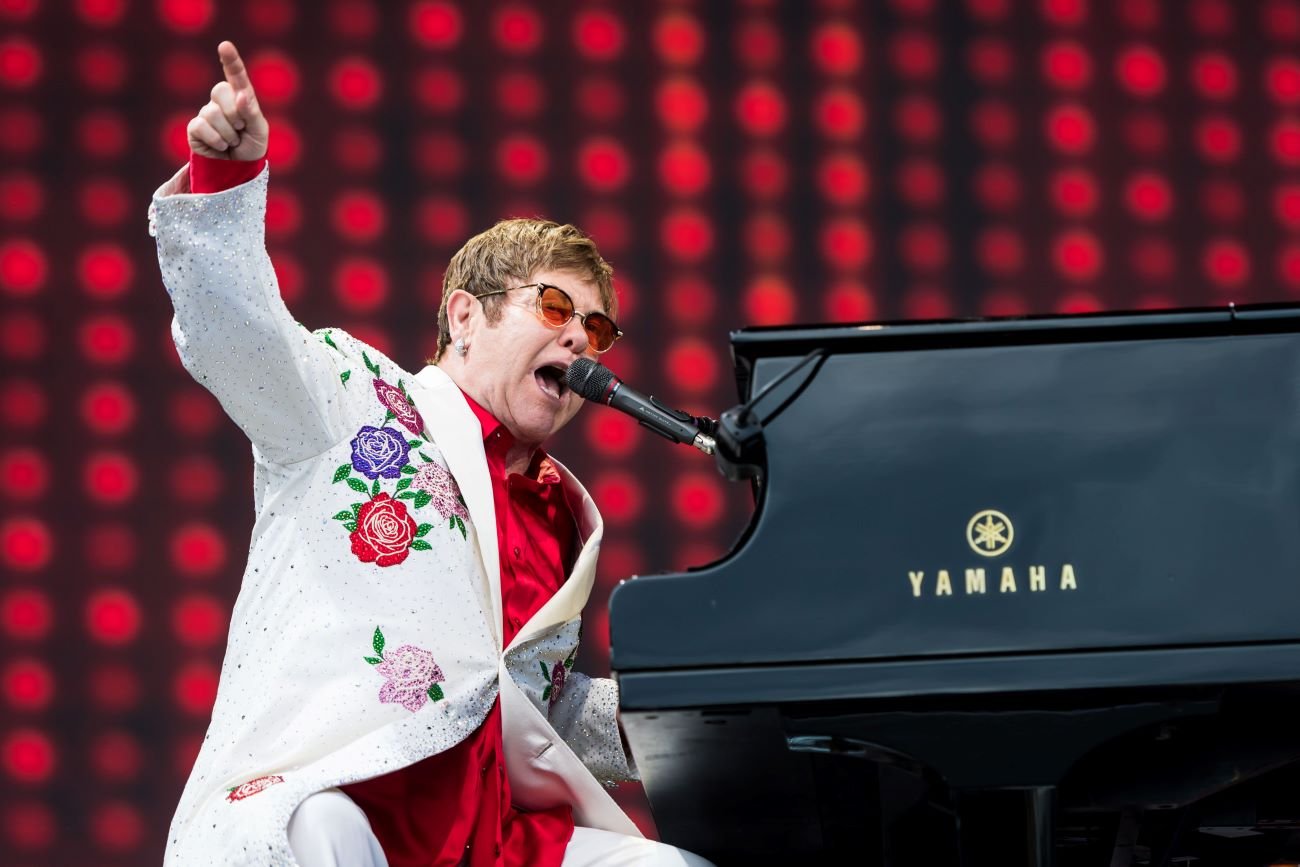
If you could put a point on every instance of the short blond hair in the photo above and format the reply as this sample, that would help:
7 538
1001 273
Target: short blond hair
509 254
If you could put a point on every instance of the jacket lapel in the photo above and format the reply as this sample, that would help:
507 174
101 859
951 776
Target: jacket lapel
460 438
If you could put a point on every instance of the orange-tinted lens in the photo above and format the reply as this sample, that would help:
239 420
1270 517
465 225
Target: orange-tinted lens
555 306
601 331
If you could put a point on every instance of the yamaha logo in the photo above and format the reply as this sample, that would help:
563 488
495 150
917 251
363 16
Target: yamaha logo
990 533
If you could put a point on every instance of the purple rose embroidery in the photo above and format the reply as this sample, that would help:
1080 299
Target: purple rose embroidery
379 452
410 674
397 403
436 480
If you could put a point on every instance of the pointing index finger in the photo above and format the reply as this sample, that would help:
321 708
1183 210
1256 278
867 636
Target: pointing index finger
233 65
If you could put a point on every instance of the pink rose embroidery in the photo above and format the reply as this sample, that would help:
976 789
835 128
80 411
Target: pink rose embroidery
436 480
411 677
252 787
395 401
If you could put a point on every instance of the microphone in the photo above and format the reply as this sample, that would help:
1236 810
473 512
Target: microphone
597 383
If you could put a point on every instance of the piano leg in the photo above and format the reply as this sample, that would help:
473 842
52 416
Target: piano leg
1012 827
1040 814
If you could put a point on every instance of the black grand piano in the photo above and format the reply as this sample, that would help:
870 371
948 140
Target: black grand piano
1014 592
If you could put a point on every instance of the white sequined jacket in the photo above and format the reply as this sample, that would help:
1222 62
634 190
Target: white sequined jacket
367 632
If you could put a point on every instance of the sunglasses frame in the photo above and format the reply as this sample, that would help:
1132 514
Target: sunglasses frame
582 317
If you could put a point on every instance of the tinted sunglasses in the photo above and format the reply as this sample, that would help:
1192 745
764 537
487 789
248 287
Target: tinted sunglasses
555 308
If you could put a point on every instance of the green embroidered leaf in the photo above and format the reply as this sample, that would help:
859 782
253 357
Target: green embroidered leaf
423 529
403 484
460 525
420 545
374 489
356 509
358 485
435 692
545 672
406 495
568 663
409 470
350 526
388 416
370 365
546 694
378 641
461 500
401 386
342 473
427 459
330 342
451 523
415 444
373 660
422 499
345 376
345 515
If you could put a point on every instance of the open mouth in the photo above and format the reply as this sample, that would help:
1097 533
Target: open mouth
550 379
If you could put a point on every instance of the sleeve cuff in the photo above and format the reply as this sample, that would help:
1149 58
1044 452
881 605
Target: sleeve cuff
208 175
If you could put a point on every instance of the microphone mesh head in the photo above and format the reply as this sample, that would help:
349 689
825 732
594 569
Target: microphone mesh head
589 379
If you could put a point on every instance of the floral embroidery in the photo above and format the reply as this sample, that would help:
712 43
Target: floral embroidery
411 677
385 532
556 675
399 406
436 481
329 341
379 452
252 787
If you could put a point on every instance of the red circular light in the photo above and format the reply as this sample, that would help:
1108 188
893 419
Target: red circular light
25 544
195 688
619 495
117 826
692 365
439 155
101 68
442 220
517 29
843 179
758 44
836 48
1214 75
682 104
28 684
927 302
1000 251
520 94
195 479
598 34
1227 263
1280 19
1285 141
1070 129
29 825
28 756
184 72
26 614
359 215
760 108
602 99
1003 302
1286 204
23 268
276 76
522 159
764 174
691 300
116 756
436 24
839 114
1218 139
846 243
612 434
918 119
356 83
283 213
914 55
114 687
21 63
769 301
1078 302
1212 17
113 617
697 499
608 227
767 237
22 336
1282 77
1067 65
110 477
990 60
197 550
1140 70
100 13
269 17
684 168
1153 259
1074 192
849 301
104 201
22 403
994 123
108 408
438 89
110 547
1148 196
1146 133
193 411
678 39
185 16
21 196
1077 255
361 284
354 19
686 234
1140 14
24 473
603 164
924 247
1064 13
1223 200
106 339
105 271
1288 267
23 128
199 621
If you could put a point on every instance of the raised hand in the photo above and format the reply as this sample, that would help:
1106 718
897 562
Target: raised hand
231 126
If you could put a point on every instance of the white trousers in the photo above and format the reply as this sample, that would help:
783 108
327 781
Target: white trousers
329 830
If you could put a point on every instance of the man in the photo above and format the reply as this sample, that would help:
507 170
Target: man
397 688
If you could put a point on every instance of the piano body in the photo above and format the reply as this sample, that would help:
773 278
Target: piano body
1014 592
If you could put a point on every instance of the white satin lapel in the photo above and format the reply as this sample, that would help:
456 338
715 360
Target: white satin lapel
568 601
460 438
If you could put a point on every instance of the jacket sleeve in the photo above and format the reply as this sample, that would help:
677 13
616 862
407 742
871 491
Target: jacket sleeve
278 382
586 716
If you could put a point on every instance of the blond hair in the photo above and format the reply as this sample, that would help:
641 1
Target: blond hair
511 253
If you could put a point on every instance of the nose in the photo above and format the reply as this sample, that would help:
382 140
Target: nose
573 336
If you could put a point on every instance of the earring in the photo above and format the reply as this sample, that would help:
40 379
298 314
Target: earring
461 348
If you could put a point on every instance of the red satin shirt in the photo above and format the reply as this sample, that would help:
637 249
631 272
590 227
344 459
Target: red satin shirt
454 808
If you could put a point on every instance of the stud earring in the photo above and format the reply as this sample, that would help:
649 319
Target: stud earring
461 348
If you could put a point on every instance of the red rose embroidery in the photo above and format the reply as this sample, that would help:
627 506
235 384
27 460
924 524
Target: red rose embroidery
252 787
384 532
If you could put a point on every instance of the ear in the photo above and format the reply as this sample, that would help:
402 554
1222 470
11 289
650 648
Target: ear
461 307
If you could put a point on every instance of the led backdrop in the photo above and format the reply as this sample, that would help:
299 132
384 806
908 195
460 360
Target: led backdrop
739 163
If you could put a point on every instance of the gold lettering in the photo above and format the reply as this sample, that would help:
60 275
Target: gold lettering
1008 581
1067 578
1037 578
974 581
944 585
916 578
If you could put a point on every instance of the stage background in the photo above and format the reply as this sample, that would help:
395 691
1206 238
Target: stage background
739 162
